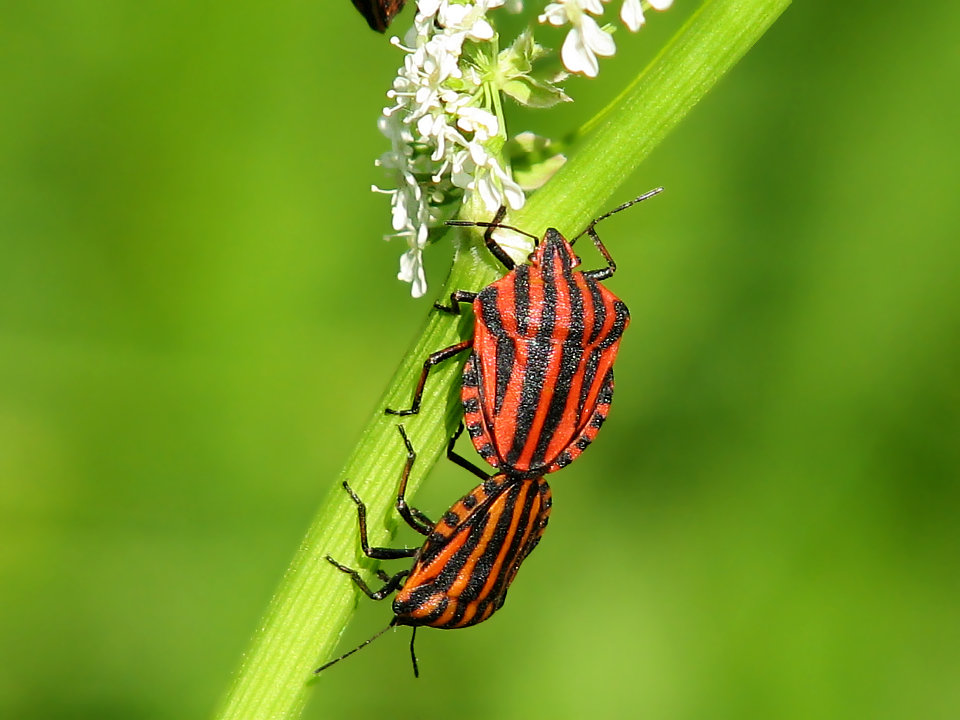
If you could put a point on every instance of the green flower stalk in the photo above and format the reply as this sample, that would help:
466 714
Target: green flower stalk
314 601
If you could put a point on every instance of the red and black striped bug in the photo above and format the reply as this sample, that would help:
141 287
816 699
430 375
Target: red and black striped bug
379 13
461 574
539 380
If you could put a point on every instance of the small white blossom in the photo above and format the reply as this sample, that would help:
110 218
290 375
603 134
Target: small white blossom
440 126
411 271
482 123
497 187
582 46
448 142
631 12
428 8
469 19
586 40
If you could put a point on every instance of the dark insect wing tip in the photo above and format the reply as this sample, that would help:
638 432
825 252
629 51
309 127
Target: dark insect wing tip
372 14
379 13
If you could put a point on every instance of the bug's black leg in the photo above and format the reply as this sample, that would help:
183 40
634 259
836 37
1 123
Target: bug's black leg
415 519
604 273
378 553
435 358
462 461
611 268
457 297
498 252
413 654
392 584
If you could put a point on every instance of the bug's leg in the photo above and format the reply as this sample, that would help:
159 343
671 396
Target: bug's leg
415 519
604 273
611 268
413 654
378 553
454 457
498 252
456 298
392 583
433 359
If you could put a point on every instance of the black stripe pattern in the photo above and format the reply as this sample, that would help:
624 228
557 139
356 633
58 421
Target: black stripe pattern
461 574
541 368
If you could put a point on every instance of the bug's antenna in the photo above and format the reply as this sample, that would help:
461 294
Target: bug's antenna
413 655
492 245
469 223
360 646
593 223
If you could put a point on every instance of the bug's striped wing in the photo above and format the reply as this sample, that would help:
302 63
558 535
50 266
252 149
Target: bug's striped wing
464 569
539 382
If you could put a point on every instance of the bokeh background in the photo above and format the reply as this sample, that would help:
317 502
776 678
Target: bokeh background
197 314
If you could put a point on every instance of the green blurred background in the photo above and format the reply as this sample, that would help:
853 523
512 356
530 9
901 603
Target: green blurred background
197 315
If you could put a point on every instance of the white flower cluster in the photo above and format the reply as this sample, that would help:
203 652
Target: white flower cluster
586 40
445 124
445 140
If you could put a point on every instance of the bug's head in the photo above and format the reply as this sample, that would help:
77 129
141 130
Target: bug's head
554 251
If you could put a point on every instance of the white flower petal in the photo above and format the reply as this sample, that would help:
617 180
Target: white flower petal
555 14
478 153
453 16
489 193
481 30
411 271
596 39
425 126
399 218
482 123
513 194
631 13
577 57
590 6
428 8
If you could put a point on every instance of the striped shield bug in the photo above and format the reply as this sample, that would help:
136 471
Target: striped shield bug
379 13
538 383
461 574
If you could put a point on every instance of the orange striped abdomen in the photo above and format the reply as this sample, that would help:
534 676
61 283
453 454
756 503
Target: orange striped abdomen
462 572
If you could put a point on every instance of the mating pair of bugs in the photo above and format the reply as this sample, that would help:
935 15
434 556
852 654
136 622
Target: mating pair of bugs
535 390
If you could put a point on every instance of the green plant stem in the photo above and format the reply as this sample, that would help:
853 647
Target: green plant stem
621 136
314 601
